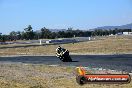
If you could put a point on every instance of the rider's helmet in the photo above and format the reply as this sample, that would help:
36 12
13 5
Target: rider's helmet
59 48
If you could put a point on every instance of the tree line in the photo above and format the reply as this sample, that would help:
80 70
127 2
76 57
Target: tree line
29 34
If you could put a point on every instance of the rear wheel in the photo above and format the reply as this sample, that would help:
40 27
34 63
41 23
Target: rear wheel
69 59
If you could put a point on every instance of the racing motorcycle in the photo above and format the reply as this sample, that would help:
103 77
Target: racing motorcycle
64 56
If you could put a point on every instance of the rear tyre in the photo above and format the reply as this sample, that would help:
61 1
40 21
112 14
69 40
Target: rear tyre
69 59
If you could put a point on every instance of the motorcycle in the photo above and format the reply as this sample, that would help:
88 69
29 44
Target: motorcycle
64 56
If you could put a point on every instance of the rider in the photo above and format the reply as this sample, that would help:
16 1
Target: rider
63 54
58 51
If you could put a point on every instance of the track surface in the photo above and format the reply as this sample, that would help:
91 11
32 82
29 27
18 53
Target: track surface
115 62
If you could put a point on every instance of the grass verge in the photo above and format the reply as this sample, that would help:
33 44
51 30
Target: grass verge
44 76
105 45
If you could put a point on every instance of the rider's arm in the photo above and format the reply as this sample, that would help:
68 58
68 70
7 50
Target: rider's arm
57 52
65 51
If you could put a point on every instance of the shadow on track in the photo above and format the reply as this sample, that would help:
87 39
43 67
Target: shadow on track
74 61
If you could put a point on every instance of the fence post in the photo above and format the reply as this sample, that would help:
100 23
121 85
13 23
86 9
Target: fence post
40 42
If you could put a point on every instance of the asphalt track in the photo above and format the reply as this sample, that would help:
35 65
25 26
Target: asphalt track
115 62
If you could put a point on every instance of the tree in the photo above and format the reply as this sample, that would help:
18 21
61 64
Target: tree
28 29
13 36
0 37
37 35
54 35
29 32
13 33
45 33
19 35
3 38
69 33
